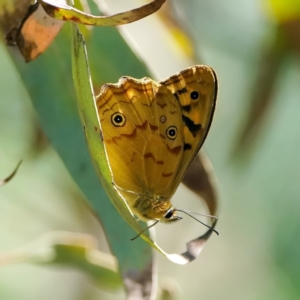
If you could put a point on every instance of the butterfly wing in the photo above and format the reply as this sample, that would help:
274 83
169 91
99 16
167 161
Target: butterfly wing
141 129
196 90
166 145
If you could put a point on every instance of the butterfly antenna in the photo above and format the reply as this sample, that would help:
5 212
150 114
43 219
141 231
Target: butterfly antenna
203 215
188 213
144 230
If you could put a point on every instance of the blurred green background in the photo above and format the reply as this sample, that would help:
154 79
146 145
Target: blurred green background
256 255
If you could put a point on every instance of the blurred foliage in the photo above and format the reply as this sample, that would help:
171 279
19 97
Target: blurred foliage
256 255
283 44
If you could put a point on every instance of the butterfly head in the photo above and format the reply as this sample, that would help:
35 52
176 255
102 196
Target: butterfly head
166 216
150 207
170 216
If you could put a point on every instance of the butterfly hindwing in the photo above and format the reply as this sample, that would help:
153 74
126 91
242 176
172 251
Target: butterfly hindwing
196 90
167 145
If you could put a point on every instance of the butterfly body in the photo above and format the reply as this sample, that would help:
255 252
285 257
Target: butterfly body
151 132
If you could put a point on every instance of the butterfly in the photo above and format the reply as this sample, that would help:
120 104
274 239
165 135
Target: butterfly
152 131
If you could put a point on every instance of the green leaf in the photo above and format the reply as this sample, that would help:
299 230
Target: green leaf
48 80
67 249
92 128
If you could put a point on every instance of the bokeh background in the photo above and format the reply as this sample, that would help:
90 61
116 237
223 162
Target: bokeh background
256 255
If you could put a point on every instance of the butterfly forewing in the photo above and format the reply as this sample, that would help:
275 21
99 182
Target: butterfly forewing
125 143
142 157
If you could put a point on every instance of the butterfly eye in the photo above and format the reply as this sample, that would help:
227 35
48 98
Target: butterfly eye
118 119
194 95
169 214
172 132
